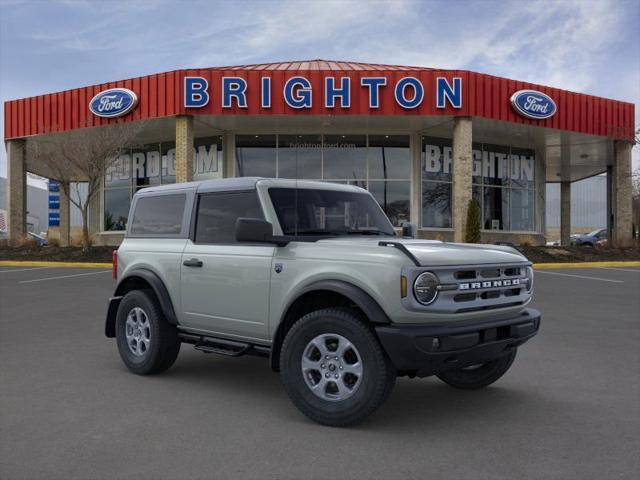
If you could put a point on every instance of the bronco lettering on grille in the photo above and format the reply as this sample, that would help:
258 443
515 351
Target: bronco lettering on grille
489 284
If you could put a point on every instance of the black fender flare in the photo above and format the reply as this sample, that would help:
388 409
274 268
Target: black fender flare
157 285
362 299
358 296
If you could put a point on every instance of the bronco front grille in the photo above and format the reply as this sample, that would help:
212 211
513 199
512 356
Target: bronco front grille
475 288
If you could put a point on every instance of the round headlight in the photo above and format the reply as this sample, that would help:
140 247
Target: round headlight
529 279
425 288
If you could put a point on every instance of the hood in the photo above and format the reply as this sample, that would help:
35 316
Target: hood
436 253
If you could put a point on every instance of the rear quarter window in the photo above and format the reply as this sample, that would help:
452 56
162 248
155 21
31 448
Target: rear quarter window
158 215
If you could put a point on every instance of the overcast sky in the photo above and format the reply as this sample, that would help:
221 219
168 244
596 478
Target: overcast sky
581 45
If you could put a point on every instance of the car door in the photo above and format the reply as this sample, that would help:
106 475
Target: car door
225 284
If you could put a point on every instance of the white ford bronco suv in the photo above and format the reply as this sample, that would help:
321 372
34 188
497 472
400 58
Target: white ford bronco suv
313 276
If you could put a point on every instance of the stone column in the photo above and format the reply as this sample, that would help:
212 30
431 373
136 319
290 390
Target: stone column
620 234
184 148
16 191
462 174
65 216
565 213
416 179
228 155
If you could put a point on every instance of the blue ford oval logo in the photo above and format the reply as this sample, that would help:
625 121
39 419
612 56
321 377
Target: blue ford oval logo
533 104
114 102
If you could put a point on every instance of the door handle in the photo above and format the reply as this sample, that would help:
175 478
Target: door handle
194 262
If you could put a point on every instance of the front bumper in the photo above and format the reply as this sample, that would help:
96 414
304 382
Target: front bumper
429 350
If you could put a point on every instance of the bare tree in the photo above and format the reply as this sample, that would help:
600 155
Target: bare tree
82 156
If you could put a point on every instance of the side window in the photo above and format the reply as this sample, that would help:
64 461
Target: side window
218 212
158 215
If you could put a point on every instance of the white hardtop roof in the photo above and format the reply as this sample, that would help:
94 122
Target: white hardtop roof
246 183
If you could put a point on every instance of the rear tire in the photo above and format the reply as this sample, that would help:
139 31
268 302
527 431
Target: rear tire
479 376
333 367
147 343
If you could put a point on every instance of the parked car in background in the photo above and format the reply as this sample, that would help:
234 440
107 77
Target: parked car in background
39 239
590 239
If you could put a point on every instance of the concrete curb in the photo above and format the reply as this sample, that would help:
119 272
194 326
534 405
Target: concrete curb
540 266
28 263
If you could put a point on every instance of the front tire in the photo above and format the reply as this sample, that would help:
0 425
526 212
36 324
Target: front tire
333 367
147 343
479 376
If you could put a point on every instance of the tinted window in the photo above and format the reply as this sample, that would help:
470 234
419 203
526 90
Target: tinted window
218 212
158 215
328 212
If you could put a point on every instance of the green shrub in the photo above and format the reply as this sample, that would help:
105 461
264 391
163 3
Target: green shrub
472 235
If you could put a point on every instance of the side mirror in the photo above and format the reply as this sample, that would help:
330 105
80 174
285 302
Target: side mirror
409 230
256 230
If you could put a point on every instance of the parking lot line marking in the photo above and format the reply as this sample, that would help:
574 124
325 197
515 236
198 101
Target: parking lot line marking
23 269
580 276
64 276
621 269
31 263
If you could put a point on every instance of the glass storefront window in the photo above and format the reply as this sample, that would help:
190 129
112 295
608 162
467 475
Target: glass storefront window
522 165
436 204
437 161
145 164
300 156
256 155
345 157
496 208
118 174
168 162
389 157
437 173
476 194
153 164
522 210
116 208
394 198
503 183
207 158
495 165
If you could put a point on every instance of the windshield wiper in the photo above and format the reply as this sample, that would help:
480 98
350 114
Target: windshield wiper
321 231
367 232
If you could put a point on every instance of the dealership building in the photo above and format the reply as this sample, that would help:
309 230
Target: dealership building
423 141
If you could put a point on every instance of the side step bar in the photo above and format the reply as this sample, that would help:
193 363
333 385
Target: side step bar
222 346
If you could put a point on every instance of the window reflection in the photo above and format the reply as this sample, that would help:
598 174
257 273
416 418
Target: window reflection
389 157
116 208
345 157
503 183
207 158
256 155
300 156
394 198
496 208
436 204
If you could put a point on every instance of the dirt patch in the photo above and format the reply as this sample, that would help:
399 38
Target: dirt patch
579 254
56 254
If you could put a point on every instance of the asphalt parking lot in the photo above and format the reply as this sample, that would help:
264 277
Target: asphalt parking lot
568 408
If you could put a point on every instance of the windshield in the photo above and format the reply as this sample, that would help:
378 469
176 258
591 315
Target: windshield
328 212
